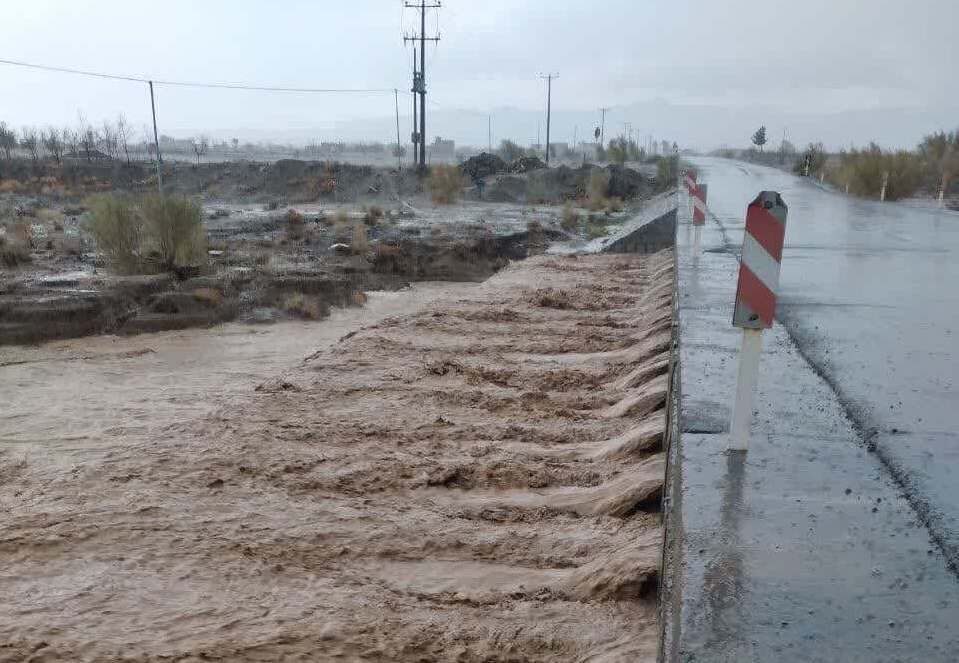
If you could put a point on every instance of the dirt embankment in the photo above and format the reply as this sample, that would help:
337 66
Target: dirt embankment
475 482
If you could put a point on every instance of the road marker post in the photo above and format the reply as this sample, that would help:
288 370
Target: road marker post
699 215
885 183
755 305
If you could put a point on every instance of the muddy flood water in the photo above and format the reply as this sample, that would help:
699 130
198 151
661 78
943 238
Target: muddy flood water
81 395
454 473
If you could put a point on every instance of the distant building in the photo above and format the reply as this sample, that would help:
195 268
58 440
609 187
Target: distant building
442 149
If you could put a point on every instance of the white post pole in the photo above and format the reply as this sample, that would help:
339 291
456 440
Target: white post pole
885 181
942 191
745 389
697 238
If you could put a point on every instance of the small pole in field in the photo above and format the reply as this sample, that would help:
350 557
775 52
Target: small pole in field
156 142
756 301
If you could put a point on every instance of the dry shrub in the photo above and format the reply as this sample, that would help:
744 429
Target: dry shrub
302 306
208 296
9 186
118 230
175 226
295 226
373 215
570 222
359 298
359 243
445 184
614 205
51 216
550 298
13 253
597 188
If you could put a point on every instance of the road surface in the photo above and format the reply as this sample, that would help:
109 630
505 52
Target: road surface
870 295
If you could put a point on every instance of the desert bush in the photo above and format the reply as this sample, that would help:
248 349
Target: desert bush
208 296
373 215
598 185
295 225
359 243
13 253
445 183
614 205
118 230
175 227
302 306
595 229
667 170
570 221
863 171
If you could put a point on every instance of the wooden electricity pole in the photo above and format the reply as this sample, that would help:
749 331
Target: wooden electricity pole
549 98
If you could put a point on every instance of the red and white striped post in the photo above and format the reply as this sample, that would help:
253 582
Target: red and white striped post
699 215
756 301
690 180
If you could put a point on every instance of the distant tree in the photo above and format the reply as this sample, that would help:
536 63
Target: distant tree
618 151
53 143
31 143
759 138
510 151
200 147
123 136
8 139
235 142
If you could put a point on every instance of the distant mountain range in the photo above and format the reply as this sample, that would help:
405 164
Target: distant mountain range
699 127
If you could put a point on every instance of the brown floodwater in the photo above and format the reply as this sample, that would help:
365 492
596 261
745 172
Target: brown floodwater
83 394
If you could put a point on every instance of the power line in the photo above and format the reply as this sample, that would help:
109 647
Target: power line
224 86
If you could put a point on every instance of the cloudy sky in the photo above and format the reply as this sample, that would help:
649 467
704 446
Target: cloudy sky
701 72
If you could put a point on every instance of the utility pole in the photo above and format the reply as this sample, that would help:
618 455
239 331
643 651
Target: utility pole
549 102
156 142
414 135
396 102
602 128
419 82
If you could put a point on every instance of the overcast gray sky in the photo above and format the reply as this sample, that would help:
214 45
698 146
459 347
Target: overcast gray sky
700 72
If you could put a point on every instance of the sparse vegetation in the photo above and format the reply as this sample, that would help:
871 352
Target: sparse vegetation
13 253
570 220
209 296
597 189
118 230
302 306
863 171
373 215
175 227
445 184
359 244
667 170
295 226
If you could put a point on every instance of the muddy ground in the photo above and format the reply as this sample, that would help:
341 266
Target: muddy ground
478 481
358 229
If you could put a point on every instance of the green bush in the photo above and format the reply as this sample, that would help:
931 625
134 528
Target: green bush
863 171
175 226
118 230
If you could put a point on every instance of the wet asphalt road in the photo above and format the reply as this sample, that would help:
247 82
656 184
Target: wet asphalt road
870 295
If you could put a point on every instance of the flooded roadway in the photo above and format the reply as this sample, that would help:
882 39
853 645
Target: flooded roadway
66 400
869 294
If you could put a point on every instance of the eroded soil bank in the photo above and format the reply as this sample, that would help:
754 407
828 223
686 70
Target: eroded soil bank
477 481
